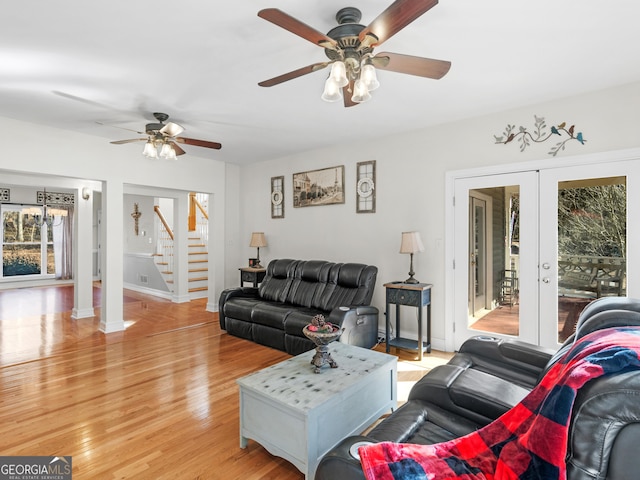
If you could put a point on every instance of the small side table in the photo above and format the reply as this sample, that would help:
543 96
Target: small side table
253 275
413 295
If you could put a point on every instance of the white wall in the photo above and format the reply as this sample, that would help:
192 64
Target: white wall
144 242
410 187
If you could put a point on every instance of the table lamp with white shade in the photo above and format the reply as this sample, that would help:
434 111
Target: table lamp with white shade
411 243
258 240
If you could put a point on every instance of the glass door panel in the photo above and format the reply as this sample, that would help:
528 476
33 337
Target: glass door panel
498 301
583 243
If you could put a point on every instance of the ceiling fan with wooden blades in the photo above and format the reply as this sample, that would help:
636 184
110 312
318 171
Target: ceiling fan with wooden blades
162 139
349 48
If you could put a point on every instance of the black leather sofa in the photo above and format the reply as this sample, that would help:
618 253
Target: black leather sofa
489 376
292 292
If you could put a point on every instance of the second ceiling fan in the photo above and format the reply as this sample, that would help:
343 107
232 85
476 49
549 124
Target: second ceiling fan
349 47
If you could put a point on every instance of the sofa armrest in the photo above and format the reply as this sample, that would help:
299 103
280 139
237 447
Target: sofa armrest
338 315
359 324
518 361
245 292
340 464
468 392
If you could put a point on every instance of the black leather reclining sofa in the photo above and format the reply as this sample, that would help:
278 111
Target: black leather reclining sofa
292 292
489 376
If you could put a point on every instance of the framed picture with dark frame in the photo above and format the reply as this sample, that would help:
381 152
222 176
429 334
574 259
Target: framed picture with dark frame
365 187
277 197
318 187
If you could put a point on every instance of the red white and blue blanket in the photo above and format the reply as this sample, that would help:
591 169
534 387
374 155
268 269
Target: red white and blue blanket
527 442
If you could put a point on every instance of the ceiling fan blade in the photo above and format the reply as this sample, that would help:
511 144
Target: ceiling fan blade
422 67
294 74
347 93
199 143
132 140
286 21
397 16
121 128
177 149
172 129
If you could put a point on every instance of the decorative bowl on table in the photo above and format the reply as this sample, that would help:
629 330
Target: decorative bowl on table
322 333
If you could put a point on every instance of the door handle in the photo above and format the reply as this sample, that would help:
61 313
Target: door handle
546 266
545 279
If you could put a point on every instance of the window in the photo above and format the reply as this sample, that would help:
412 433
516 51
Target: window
27 243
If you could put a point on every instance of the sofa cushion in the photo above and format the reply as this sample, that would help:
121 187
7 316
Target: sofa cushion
349 284
277 280
309 283
484 393
272 314
240 307
297 319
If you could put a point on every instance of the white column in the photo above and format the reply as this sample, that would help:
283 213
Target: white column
181 249
112 246
83 257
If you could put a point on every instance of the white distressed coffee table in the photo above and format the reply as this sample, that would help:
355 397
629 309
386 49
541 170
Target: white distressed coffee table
299 415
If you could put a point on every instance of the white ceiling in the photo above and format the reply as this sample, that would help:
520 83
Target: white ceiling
72 63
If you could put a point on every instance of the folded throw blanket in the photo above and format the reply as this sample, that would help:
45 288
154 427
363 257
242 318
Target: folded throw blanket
527 442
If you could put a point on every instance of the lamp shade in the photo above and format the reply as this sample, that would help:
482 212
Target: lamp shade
258 240
411 243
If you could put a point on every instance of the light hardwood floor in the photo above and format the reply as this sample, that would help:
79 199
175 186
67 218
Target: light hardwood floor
158 401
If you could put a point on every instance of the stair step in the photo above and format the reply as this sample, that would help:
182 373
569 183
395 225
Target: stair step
198 279
192 270
198 253
203 260
202 245
167 272
197 289
162 263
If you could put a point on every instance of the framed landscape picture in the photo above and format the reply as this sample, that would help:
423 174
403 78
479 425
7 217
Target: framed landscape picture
318 187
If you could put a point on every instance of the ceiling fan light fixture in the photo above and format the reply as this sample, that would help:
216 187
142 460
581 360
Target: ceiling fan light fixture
339 73
150 150
332 92
368 75
360 92
166 149
172 153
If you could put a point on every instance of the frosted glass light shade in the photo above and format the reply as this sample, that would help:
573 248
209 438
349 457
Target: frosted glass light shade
360 92
339 73
332 91
369 77
150 150
165 152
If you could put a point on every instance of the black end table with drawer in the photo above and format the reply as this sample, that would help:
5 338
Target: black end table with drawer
413 295
251 274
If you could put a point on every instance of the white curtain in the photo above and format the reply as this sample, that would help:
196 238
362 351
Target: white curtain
63 243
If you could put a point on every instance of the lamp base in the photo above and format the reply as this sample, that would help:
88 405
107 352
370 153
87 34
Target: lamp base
411 280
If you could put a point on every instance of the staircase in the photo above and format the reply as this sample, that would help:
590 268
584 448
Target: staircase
198 268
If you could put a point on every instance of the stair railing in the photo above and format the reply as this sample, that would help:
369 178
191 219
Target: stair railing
198 216
165 246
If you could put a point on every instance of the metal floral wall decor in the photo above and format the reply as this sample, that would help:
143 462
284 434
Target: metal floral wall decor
539 134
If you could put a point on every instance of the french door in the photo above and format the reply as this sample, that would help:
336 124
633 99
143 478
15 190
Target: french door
556 240
495 252
587 223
